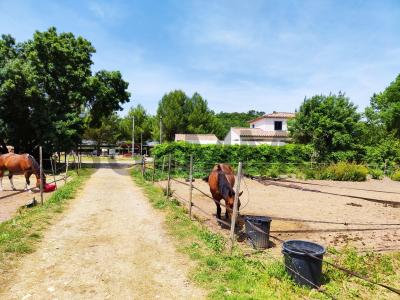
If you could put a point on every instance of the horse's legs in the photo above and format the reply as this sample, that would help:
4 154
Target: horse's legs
218 210
1 180
11 181
27 182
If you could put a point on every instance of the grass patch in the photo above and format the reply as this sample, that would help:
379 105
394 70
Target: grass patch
258 276
22 234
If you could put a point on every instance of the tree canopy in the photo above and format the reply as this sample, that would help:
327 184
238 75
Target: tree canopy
329 123
47 90
385 108
236 119
182 114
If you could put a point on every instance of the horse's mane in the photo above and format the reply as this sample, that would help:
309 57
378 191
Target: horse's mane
224 186
35 164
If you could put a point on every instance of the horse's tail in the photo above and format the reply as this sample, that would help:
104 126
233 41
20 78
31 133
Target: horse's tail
35 165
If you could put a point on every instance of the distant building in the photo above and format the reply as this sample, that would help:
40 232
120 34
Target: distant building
268 129
203 139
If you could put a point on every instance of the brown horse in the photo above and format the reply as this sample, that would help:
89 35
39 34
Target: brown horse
221 181
17 164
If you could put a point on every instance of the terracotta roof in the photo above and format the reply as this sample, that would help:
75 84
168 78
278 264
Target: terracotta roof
195 137
280 115
257 132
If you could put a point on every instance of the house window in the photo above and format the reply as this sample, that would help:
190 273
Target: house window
278 125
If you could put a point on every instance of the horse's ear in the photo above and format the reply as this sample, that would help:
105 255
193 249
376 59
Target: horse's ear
240 194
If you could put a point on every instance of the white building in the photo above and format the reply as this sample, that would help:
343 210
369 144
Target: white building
269 129
203 139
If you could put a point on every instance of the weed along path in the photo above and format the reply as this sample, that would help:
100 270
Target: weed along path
110 244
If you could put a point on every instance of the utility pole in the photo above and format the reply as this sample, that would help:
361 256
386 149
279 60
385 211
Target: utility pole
133 135
160 129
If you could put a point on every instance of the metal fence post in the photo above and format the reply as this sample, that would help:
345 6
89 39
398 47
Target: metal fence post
41 173
190 185
235 205
169 175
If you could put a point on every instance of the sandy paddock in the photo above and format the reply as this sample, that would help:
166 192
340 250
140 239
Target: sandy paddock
335 202
11 201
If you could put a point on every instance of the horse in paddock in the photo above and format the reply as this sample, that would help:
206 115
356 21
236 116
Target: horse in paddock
18 164
221 181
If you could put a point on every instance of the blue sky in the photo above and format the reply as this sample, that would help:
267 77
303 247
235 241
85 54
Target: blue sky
239 55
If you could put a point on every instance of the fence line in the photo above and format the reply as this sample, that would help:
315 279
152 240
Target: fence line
42 173
298 187
347 271
233 222
296 219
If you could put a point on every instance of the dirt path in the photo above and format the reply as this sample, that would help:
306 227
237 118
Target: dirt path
109 245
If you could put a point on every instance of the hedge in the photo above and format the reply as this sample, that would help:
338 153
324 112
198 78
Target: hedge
209 154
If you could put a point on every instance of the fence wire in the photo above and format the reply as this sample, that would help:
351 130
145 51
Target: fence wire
178 168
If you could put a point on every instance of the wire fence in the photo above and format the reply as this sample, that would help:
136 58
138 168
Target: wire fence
72 162
169 170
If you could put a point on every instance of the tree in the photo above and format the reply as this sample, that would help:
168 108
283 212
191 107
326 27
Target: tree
385 108
181 114
143 124
107 133
235 119
329 123
200 119
47 88
172 109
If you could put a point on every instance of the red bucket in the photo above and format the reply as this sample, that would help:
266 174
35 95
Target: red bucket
49 187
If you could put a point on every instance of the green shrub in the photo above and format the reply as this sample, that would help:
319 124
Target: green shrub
345 172
376 173
396 176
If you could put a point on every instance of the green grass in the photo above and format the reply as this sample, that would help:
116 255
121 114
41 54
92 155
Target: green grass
21 234
257 276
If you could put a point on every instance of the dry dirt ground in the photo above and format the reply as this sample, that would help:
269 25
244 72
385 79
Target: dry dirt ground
11 201
335 202
110 244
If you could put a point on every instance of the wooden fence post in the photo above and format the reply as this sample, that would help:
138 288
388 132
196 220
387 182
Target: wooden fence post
163 165
190 185
169 175
235 205
143 165
66 170
154 170
41 173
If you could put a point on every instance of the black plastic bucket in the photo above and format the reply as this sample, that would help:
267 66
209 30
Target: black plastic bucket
298 261
258 239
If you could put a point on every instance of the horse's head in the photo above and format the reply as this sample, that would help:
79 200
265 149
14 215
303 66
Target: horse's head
230 200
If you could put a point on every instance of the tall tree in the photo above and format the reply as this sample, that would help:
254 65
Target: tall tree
385 108
143 124
46 86
200 119
172 109
329 123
